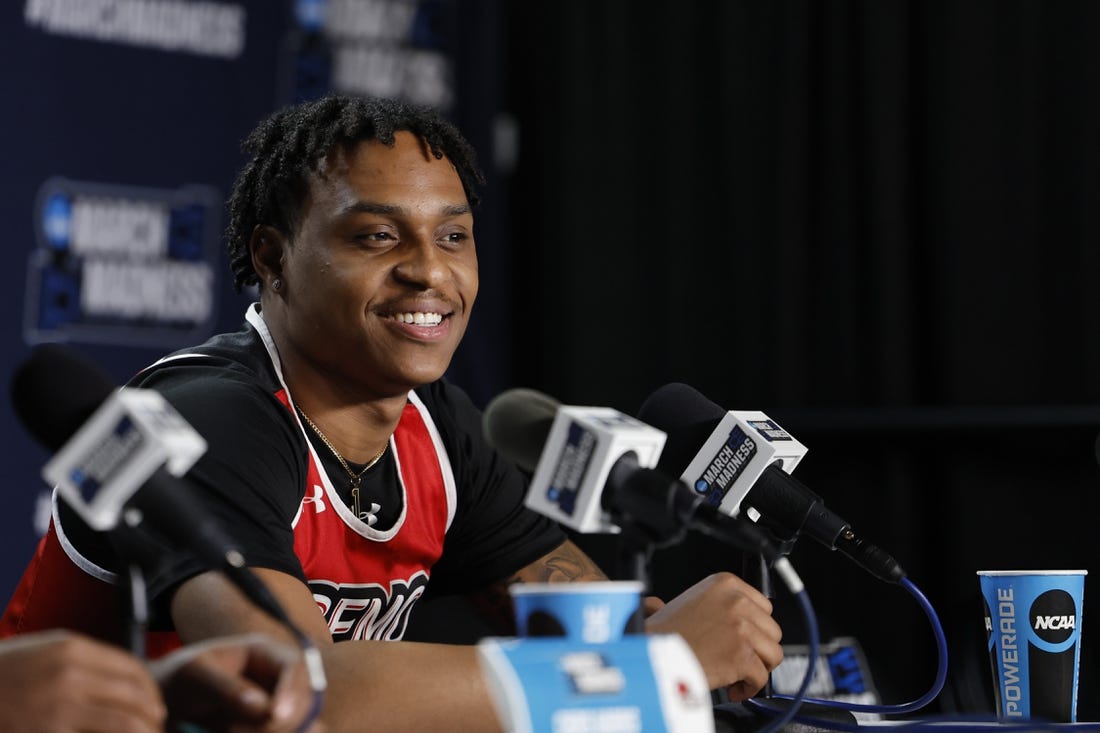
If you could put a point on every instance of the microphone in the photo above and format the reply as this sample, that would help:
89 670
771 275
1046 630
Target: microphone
120 455
593 470
736 459
119 452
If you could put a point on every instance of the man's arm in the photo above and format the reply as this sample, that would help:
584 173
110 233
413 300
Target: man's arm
239 683
565 564
410 686
372 685
726 622
60 681
395 686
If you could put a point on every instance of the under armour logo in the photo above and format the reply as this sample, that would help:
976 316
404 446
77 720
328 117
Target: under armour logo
316 499
371 515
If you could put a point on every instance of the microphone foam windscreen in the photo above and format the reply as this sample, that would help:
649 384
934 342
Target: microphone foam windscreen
55 391
686 416
517 423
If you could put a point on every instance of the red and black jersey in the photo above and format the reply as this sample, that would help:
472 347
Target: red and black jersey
447 513
364 579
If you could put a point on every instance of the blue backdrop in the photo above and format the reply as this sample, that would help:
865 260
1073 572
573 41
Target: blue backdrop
123 120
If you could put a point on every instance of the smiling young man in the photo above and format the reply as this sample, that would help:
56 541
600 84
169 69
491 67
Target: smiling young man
351 473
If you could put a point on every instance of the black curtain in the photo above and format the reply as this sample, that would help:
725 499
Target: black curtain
876 221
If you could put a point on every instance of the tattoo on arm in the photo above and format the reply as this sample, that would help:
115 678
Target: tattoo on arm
566 564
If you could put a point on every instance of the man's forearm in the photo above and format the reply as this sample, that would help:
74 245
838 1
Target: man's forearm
406 686
372 685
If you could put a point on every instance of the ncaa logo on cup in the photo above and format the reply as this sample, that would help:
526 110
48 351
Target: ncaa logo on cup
597 623
1053 616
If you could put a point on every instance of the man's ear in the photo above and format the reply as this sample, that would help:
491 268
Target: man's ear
267 246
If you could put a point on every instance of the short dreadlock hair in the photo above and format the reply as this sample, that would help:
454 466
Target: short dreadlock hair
289 145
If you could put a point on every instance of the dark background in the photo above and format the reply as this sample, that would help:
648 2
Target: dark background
875 221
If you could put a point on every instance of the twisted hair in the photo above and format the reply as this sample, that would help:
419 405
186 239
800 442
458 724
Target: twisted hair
289 145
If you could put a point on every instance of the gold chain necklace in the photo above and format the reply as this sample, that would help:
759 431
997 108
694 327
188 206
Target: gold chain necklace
355 477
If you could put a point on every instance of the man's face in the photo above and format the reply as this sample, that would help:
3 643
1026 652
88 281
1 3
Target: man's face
382 274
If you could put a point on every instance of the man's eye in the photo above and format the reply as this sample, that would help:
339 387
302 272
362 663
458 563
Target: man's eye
374 237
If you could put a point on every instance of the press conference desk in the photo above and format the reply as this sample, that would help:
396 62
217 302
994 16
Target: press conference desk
737 718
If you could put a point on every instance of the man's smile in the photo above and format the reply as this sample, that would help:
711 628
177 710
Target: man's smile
420 318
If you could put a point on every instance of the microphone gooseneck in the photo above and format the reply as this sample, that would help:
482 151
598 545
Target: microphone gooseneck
785 506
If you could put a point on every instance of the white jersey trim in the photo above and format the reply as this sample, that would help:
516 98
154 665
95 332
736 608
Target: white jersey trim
86 565
441 454
361 528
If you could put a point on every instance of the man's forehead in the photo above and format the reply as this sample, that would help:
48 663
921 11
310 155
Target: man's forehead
373 176
342 157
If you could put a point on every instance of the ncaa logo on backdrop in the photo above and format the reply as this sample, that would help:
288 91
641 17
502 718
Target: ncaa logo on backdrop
122 264
1053 616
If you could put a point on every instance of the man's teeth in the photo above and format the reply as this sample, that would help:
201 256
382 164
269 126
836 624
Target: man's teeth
419 318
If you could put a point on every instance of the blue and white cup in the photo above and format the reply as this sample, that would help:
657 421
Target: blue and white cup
1033 623
591 613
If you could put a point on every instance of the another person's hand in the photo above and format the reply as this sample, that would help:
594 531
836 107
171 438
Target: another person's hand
728 624
57 682
240 683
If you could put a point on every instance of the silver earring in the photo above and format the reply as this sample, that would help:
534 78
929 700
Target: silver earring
276 284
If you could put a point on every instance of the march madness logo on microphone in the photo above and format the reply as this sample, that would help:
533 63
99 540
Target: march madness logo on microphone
722 471
573 464
770 430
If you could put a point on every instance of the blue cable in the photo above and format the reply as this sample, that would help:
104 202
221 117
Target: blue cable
783 567
929 696
941 723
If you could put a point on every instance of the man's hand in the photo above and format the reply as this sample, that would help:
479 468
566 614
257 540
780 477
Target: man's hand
60 682
239 683
728 624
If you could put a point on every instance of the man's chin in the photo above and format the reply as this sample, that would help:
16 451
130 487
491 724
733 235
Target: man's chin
420 375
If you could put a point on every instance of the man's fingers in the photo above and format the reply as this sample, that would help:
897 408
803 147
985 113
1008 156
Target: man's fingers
651 605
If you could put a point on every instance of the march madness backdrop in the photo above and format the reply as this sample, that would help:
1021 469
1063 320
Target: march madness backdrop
122 122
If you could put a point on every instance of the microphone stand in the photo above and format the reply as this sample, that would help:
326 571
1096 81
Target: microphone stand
128 545
138 617
635 552
640 505
759 575
754 569
735 717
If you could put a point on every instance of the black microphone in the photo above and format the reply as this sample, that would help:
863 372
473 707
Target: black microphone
120 457
593 470
120 454
115 453
737 459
